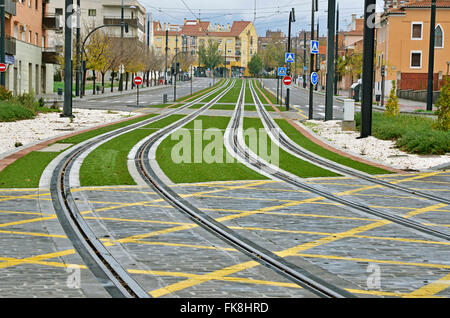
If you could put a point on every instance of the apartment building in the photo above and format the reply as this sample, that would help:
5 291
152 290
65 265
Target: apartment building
103 12
403 44
238 42
29 66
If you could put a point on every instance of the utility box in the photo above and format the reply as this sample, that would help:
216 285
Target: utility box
349 115
164 98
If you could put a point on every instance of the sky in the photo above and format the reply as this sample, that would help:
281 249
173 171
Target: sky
270 14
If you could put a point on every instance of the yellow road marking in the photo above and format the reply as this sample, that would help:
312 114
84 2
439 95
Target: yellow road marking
432 288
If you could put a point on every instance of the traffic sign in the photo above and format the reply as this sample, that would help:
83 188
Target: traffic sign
314 47
290 58
138 80
287 81
314 78
2 67
282 71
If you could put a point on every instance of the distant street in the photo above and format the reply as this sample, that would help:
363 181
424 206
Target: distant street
127 101
300 97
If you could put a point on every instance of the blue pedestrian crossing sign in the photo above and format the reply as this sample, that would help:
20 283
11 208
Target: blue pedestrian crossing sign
314 47
282 71
290 58
314 78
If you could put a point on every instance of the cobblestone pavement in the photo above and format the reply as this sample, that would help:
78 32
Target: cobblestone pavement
170 256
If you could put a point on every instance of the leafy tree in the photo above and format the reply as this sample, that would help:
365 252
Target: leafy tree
209 54
97 51
392 108
443 108
273 55
255 65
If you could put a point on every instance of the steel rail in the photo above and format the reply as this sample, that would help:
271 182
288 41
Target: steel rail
261 165
113 277
285 141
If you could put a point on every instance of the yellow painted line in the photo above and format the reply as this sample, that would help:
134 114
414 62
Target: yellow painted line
33 234
356 259
133 220
431 190
27 221
185 245
432 288
434 224
424 210
26 213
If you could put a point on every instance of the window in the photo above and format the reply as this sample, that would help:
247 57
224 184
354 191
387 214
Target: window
416 31
439 37
35 39
92 12
58 11
416 59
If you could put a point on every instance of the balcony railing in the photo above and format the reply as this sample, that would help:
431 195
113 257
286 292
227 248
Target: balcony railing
50 55
132 22
10 7
52 22
10 45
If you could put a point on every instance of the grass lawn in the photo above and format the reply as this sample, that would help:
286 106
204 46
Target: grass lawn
286 161
233 94
26 171
197 167
12 112
412 133
107 165
304 142
202 92
89 86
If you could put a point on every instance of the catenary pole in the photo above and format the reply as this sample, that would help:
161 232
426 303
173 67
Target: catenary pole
431 56
367 75
330 60
67 109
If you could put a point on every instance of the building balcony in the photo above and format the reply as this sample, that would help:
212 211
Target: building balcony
50 55
52 22
132 22
10 45
10 7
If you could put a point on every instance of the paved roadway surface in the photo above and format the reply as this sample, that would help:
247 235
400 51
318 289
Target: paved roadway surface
172 257
127 101
299 99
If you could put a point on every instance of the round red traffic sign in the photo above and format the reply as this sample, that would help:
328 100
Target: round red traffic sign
2 67
138 80
287 80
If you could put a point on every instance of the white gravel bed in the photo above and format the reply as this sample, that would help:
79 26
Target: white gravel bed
382 151
50 125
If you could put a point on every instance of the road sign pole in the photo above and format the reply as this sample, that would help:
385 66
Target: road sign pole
330 60
137 94
291 19
2 41
311 65
278 89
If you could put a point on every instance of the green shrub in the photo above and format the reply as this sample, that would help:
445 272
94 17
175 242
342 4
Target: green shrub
5 94
435 142
13 111
392 108
443 108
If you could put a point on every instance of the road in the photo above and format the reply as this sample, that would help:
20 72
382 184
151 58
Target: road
127 101
299 98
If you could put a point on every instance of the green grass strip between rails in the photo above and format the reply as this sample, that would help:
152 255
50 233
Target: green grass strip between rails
107 164
199 166
286 161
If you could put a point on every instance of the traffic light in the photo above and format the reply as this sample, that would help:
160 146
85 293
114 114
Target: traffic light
126 27
178 68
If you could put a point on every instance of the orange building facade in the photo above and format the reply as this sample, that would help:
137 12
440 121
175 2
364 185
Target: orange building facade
30 64
403 39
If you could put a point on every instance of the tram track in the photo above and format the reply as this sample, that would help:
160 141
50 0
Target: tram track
295 149
110 273
249 158
294 273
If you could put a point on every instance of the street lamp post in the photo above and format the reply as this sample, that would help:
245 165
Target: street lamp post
67 109
122 27
291 19
330 60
